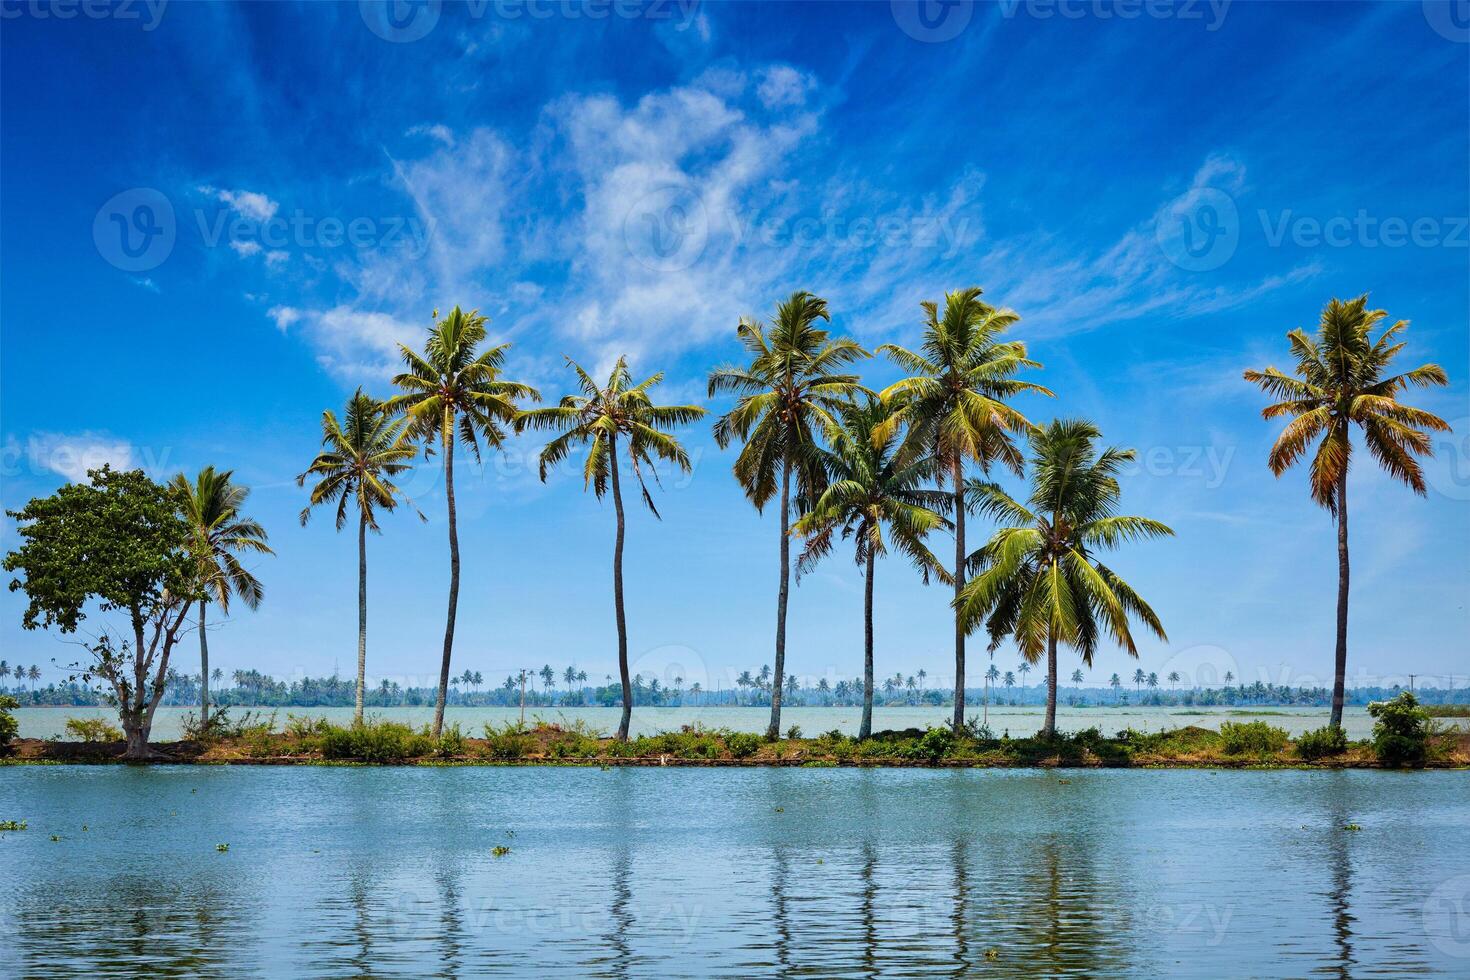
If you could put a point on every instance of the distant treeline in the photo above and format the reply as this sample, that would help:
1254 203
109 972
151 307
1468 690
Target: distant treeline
548 688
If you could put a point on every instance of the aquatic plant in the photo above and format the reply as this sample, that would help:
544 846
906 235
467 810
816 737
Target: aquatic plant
12 825
499 850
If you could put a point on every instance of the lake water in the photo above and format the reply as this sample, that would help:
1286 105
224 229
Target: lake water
342 872
50 722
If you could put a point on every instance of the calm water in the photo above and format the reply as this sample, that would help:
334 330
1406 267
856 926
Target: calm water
729 872
49 722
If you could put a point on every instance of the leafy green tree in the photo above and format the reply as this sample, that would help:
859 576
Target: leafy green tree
1039 579
1342 380
120 542
453 392
212 504
868 490
362 454
953 405
599 418
785 397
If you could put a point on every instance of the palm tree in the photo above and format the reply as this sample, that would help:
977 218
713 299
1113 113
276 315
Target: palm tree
1023 668
789 391
452 393
1152 681
991 676
954 405
923 674
1342 381
1010 680
34 673
4 669
1039 579
1115 682
211 506
1077 677
361 455
1173 679
599 417
1138 679
867 490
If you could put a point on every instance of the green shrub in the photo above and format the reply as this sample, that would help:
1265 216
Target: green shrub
93 730
451 742
932 746
793 732
742 744
375 741
1321 743
1400 731
8 725
1252 738
509 742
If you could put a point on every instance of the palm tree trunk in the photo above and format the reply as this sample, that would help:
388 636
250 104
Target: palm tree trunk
203 668
866 728
774 729
361 613
448 439
1340 674
958 476
618 596
1050 728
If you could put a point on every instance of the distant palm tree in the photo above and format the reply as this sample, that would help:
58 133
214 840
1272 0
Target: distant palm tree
4 669
1173 679
695 691
211 505
362 455
954 407
1138 679
34 674
600 417
1228 678
1010 680
868 491
1115 682
1153 680
453 393
1039 578
922 675
1342 381
1077 676
1023 668
742 682
787 393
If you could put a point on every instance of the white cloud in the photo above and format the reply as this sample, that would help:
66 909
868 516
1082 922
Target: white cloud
72 455
276 258
245 248
146 283
249 204
350 344
284 316
437 131
782 86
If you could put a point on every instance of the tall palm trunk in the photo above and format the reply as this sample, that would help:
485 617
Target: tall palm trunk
774 729
958 475
1050 728
866 728
1340 675
618 596
203 668
361 613
448 434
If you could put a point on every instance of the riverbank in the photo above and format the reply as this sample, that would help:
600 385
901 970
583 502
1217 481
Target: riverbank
316 742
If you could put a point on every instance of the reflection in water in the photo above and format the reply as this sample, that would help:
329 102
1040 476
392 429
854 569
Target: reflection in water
388 873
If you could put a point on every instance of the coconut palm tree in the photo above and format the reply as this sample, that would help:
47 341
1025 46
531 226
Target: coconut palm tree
1077 676
600 417
1342 380
1038 579
1115 682
211 505
785 396
954 407
453 392
1173 679
1138 680
869 490
362 453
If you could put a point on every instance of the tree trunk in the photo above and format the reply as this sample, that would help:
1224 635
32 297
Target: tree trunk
1050 728
448 439
774 729
866 728
136 734
203 668
1340 674
957 474
617 490
361 614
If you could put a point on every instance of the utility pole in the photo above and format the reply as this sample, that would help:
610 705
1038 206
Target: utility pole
1411 683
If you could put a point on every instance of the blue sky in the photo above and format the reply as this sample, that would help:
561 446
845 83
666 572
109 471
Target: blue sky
1161 197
